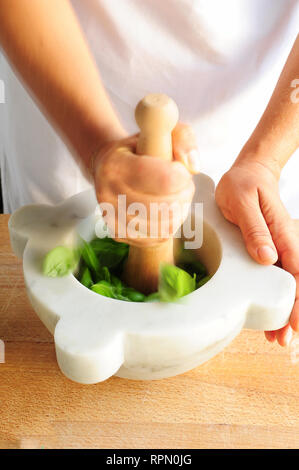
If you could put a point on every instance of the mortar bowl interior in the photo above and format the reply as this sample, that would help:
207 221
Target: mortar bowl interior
209 253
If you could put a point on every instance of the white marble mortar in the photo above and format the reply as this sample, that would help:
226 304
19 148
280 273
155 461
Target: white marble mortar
97 337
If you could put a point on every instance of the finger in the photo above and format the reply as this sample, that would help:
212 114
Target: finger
270 336
286 240
294 318
284 335
185 147
282 231
144 174
256 234
127 145
155 176
150 175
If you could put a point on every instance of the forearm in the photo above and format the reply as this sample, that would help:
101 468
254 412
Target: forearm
276 136
43 41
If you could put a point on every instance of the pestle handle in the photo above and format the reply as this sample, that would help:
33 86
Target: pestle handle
156 115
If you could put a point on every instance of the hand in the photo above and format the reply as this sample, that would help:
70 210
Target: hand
248 196
142 179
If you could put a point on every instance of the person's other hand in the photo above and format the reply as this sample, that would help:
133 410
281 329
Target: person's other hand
248 196
117 170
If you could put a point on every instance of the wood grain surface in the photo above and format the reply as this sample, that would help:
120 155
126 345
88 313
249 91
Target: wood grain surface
246 397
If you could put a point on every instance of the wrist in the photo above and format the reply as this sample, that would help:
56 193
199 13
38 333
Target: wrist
260 153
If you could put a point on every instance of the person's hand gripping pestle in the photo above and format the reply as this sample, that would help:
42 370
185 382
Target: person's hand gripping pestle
150 169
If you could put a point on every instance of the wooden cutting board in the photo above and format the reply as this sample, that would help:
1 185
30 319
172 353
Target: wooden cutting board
246 397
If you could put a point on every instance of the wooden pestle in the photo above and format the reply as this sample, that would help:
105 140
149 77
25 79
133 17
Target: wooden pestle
156 115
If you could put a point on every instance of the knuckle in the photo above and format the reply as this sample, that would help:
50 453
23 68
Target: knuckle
187 132
245 202
255 233
183 137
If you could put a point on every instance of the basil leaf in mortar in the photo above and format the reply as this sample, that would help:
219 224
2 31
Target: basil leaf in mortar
195 267
104 288
132 294
125 293
106 274
174 283
203 281
90 258
154 297
86 278
117 283
109 252
60 261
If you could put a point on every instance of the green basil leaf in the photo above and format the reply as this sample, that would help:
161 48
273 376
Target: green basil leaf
174 283
132 294
117 283
194 267
60 261
119 296
86 278
106 274
104 288
110 252
154 297
90 257
203 281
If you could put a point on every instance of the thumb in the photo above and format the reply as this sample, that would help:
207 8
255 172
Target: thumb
256 234
185 147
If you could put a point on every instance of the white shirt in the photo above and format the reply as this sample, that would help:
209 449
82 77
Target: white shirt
219 60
